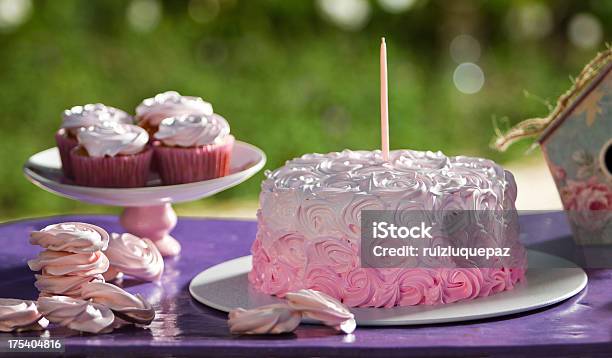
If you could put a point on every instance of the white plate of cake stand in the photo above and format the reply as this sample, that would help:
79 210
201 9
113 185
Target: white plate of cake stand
148 211
551 280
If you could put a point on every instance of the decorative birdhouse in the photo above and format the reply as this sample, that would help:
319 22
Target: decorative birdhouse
576 139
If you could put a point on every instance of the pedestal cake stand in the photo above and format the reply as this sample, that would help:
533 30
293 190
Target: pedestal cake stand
147 211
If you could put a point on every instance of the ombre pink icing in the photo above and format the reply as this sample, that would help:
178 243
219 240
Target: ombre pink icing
20 315
309 226
134 256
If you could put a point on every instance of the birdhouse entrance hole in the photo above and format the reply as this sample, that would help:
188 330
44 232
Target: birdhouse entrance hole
606 159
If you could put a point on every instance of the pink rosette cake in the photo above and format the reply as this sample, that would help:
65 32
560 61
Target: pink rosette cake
79 117
309 226
193 148
151 112
112 155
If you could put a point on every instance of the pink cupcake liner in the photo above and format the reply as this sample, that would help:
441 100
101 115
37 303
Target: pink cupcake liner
178 165
121 171
65 144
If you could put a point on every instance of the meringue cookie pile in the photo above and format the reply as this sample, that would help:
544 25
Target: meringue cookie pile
131 255
285 317
72 289
72 257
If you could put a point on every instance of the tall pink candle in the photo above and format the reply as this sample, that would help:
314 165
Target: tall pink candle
384 102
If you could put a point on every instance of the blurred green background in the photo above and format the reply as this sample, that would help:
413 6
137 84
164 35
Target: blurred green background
290 76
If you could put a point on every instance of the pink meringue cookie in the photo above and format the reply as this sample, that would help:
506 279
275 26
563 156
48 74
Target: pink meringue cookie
321 307
134 256
77 314
126 306
50 285
72 237
20 315
271 319
59 263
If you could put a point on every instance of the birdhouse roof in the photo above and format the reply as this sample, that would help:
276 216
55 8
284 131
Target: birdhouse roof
556 122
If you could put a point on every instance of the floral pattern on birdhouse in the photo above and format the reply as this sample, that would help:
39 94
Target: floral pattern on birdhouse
578 149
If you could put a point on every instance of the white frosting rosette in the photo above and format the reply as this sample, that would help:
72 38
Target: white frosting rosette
271 319
93 114
134 256
20 315
72 237
321 307
111 139
128 307
77 314
170 104
193 130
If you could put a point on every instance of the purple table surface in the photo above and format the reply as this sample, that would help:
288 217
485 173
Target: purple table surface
579 326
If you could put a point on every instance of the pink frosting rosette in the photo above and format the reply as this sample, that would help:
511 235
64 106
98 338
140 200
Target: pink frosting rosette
72 237
20 315
337 254
290 247
130 308
279 278
418 286
321 307
77 314
58 263
495 281
271 319
323 279
133 256
460 284
316 218
261 261
360 287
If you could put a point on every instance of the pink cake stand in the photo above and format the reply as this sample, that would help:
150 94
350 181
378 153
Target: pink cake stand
147 211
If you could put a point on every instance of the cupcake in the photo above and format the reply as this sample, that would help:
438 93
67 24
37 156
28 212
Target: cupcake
193 148
152 111
79 117
112 155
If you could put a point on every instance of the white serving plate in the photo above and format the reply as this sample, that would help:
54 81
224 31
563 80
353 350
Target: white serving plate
225 287
44 170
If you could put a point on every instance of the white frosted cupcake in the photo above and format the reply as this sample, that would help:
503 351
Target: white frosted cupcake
78 117
112 155
192 148
152 111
